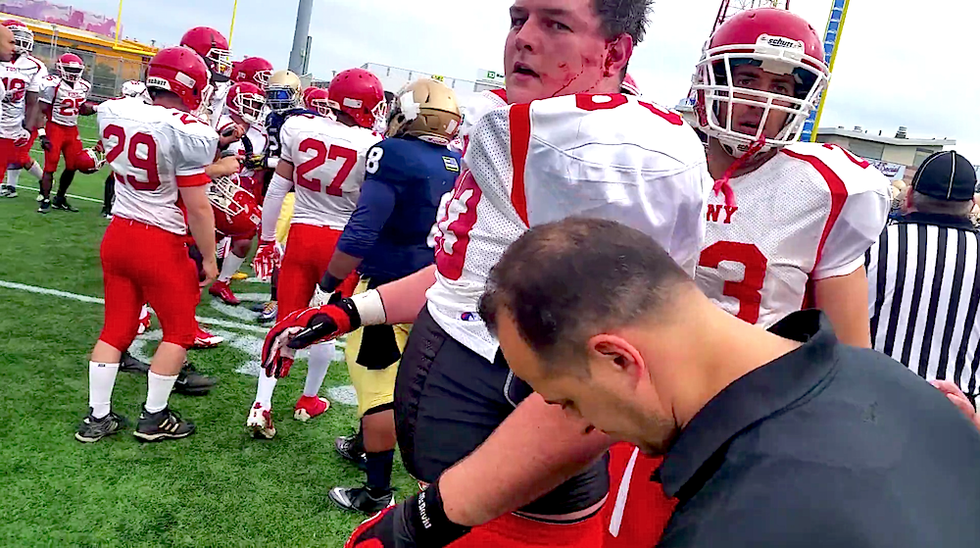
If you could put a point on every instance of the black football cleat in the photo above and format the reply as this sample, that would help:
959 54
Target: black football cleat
351 448
92 429
163 425
361 499
129 364
191 383
62 204
44 206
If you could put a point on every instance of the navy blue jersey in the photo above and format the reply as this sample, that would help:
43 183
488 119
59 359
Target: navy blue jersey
273 123
405 181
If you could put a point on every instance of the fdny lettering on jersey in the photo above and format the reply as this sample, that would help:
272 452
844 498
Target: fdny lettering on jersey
605 156
834 210
20 77
329 163
154 150
406 179
65 99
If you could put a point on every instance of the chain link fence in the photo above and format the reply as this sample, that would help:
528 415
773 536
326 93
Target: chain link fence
105 72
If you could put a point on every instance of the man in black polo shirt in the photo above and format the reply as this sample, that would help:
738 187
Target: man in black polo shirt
778 438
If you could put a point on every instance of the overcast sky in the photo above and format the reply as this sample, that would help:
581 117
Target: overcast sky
900 62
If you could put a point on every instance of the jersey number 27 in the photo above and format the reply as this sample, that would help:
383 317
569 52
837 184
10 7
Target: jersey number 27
322 154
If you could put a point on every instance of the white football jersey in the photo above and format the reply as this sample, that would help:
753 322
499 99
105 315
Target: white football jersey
21 76
64 98
216 109
807 214
256 137
610 157
473 110
153 151
328 159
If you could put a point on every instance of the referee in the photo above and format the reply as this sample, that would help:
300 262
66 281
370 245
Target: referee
924 290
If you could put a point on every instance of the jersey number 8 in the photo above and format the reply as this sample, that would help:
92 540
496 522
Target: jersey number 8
373 163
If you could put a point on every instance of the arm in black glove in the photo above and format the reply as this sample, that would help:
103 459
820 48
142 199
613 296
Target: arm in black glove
419 521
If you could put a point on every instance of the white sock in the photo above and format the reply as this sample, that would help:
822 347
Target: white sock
320 357
264 393
158 389
223 248
230 266
36 170
101 380
12 176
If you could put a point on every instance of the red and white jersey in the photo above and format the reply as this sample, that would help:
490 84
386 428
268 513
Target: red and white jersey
473 110
64 98
807 214
20 77
256 137
605 156
216 109
153 151
329 166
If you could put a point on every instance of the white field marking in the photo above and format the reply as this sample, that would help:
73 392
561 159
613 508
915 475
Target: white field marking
97 300
72 196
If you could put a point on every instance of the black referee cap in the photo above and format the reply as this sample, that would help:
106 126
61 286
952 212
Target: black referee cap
946 176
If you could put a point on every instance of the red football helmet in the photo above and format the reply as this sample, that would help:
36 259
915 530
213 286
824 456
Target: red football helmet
247 101
90 160
180 71
776 41
317 100
23 36
70 67
212 46
361 95
629 86
252 69
236 212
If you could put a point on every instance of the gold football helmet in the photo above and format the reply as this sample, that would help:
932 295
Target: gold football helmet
425 109
283 91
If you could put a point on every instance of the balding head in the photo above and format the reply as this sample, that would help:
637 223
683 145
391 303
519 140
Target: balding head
6 44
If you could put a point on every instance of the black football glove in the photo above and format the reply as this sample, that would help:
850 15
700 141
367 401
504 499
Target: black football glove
420 521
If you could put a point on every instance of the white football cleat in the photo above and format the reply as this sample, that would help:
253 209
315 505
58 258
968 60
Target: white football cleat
259 423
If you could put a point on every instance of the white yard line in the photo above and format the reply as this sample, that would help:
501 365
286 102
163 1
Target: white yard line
72 196
97 300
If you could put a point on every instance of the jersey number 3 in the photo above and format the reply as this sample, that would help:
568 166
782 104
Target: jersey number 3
142 154
749 290
322 155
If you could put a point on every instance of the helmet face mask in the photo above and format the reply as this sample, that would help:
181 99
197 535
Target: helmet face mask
780 44
236 211
23 36
70 67
247 101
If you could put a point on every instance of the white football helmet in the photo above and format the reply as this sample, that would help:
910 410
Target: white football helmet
135 88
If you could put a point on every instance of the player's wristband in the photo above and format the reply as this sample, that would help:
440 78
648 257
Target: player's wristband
370 308
329 283
423 519
40 132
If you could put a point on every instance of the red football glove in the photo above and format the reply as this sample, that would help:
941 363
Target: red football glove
377 531
267 258
303 328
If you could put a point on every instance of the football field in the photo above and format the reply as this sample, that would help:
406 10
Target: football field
217 488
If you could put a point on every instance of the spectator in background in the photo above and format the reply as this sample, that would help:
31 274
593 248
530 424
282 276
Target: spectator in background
924 288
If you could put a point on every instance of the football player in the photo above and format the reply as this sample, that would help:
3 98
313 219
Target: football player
144 256
21 113
387 239
129 88
283 99
64 99
789 229
213 48
569 144
243 109
325 159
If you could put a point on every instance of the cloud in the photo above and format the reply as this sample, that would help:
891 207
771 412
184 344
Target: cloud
899 64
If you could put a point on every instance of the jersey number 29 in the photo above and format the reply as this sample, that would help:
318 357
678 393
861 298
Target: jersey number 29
142 155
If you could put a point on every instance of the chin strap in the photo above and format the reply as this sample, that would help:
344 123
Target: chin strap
723 185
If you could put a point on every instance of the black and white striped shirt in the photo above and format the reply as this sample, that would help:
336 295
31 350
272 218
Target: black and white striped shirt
924 295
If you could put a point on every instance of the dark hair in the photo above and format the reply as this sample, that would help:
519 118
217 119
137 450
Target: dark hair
624 17
565 281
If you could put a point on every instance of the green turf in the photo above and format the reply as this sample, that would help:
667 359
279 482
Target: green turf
216 488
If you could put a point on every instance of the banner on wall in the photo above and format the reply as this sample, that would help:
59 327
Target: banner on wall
59 14
894 172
